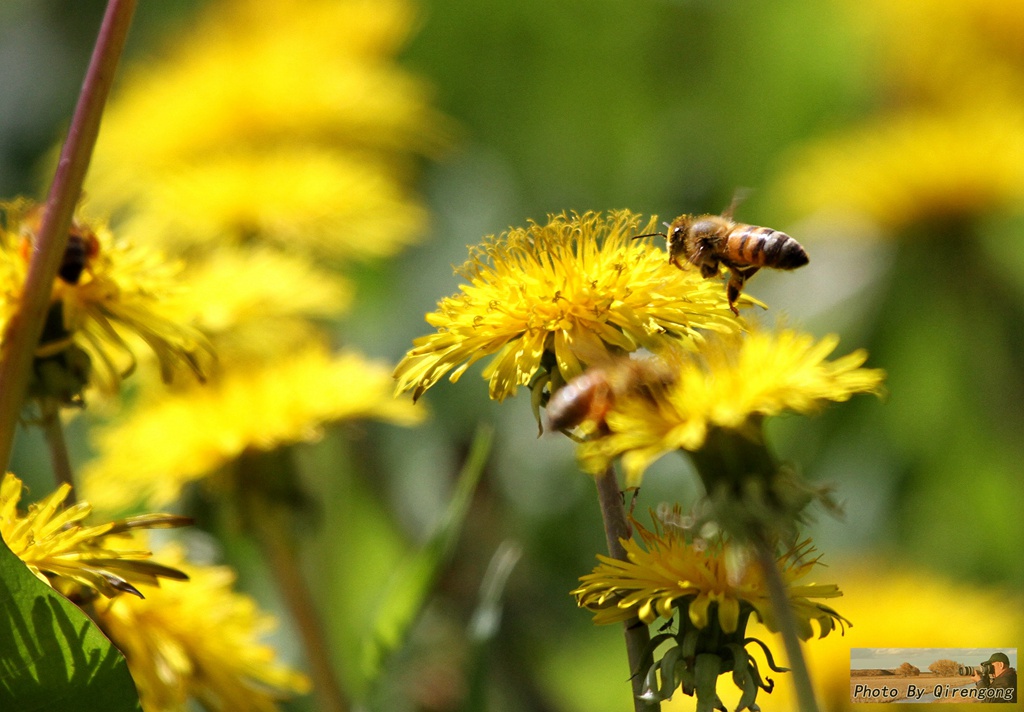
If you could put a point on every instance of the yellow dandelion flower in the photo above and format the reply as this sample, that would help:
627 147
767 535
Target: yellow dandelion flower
259 303
916 166
59 549
327 203
107 294
185 436
559 296
715 592
199 640
667 572
729 382
291 124
303 70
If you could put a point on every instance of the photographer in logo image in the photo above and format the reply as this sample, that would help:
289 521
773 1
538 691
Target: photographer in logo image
997 673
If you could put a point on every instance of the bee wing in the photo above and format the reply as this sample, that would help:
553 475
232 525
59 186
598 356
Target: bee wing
738 197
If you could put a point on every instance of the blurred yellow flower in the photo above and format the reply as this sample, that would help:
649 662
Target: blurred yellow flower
953 43
916 166
559 296
199 640
60 550
319 200
260 303
946 146
668 572
185 436
288 123
107 294
729 382
892 606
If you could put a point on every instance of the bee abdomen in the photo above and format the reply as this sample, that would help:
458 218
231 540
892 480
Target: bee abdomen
765 247
73 262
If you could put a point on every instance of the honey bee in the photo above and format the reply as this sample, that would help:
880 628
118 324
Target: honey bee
708 241
591 396
83 246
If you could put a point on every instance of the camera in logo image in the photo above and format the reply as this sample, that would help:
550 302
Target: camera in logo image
971 670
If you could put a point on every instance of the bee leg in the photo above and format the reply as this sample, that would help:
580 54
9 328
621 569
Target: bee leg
737 278
600 406
707 271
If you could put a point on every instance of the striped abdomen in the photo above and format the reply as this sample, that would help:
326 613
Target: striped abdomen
753 246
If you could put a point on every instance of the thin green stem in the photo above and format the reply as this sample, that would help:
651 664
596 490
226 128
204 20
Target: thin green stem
787 624
25 327
266 489
638 637
54 432
291 581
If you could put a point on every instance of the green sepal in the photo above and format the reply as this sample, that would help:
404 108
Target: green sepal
689 643
649 691
706 669
539 398
767 684
742 677
668 664
655 643
767 654
740 660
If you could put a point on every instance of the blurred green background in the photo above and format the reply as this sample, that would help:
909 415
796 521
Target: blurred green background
659 107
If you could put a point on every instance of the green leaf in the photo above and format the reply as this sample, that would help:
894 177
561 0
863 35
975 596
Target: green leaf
485 623
52 656
414 579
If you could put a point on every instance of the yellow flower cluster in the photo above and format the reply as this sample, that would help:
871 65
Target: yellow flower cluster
266 149
184 632
916 166
265 141
258 304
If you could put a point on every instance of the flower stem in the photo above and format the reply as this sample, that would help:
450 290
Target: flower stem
25 327
787 624
291 583
264 498
638 638
59 459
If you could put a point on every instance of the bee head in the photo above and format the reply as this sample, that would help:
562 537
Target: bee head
678 229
